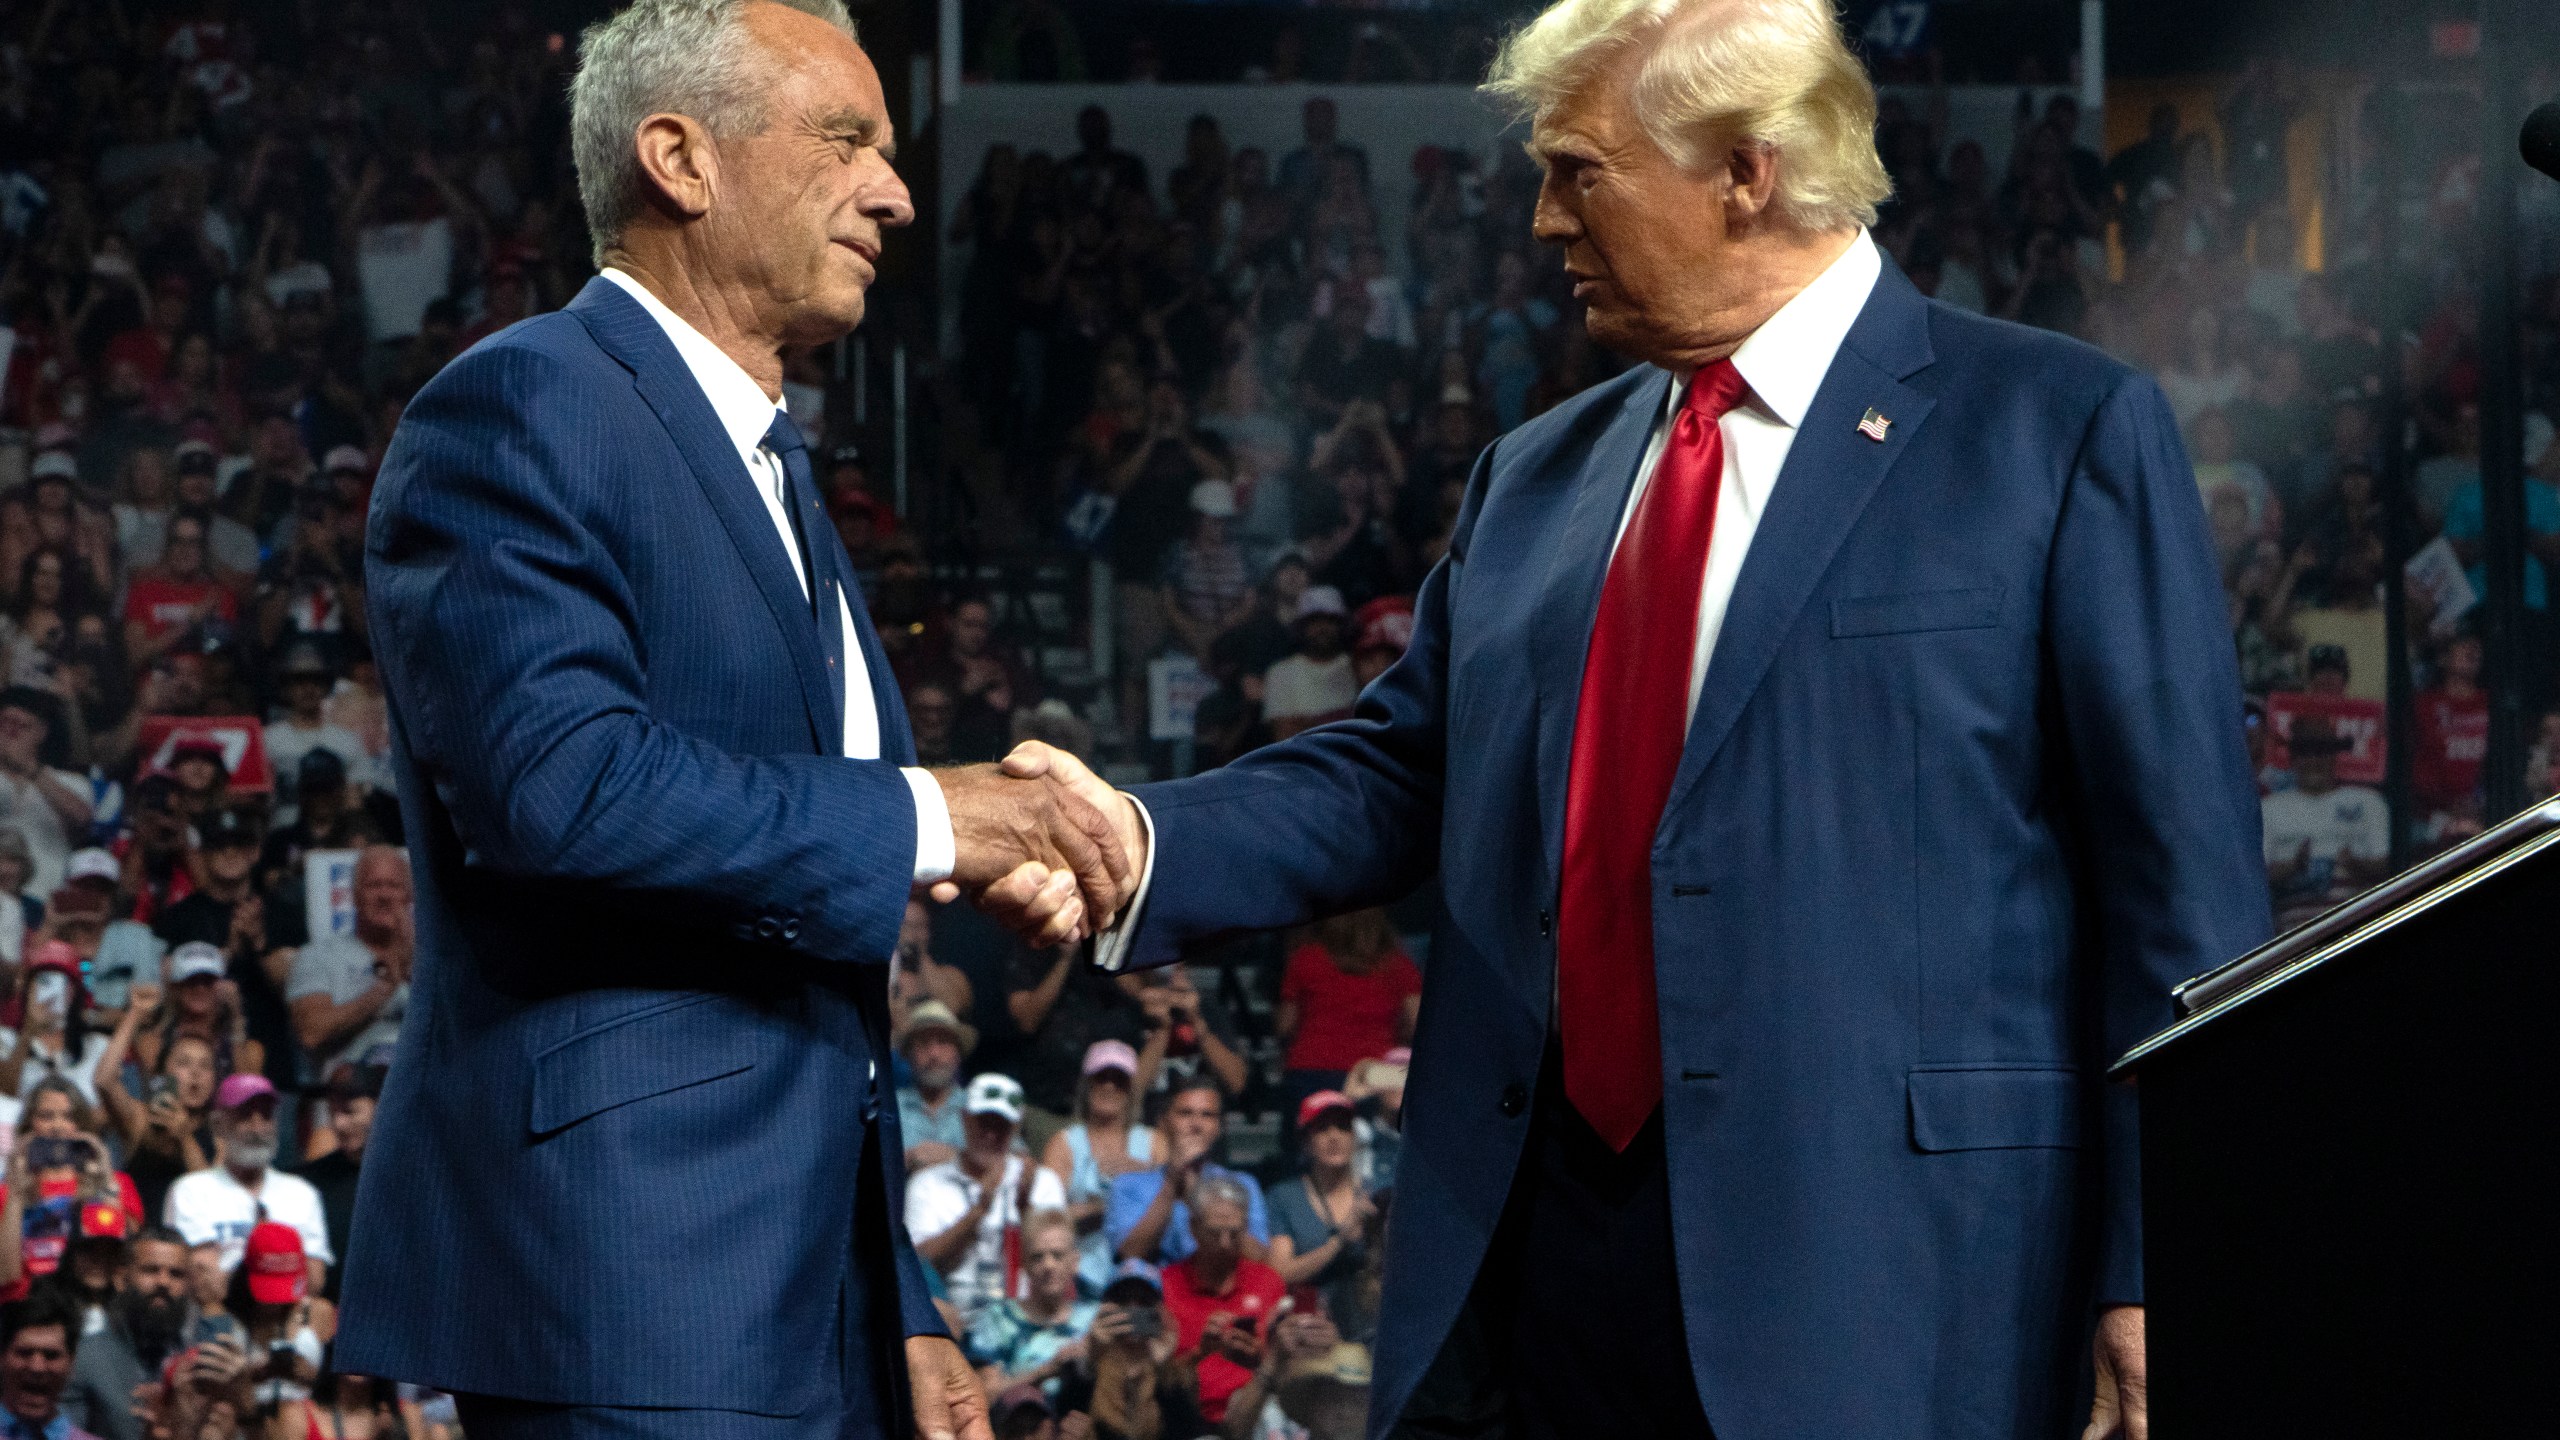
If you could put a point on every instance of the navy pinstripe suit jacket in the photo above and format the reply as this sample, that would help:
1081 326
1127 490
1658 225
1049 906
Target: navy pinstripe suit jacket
617 1159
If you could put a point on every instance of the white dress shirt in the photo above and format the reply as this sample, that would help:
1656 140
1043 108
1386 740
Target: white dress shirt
1782 364
745 414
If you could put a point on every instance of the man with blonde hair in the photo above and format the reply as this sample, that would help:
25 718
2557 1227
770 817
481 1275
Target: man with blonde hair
1826 734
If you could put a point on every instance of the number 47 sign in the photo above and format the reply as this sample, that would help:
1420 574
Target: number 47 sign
1896 28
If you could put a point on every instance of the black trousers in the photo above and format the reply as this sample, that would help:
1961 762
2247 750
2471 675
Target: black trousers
1574 1328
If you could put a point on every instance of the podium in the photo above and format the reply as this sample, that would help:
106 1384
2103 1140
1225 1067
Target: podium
2351 1221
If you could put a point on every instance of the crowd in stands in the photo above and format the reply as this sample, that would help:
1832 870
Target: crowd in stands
1155 1205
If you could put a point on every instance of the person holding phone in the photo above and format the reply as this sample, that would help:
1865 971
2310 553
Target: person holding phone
1131 1385
1220 1299
167 1131
53 1035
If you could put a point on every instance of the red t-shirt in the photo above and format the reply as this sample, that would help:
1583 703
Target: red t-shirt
1344 1019
1252 1293
166 606
2453 740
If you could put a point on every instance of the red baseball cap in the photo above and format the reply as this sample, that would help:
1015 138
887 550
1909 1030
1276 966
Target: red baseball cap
278 1272
54 955
1317 1104
102 1220
1385 623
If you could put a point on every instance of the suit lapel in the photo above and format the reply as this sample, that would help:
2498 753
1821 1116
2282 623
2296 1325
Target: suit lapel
1571 595
1831 472
632 336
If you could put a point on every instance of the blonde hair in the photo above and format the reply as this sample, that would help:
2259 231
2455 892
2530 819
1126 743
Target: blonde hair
1040 1221
1773 73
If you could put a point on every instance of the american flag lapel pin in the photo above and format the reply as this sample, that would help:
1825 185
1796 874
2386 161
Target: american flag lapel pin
1874 425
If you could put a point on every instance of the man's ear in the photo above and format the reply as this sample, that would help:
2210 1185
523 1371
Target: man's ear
680 162
1752 170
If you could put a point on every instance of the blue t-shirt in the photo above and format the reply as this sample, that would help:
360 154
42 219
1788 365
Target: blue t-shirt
2466 518
918 1126
1132 1193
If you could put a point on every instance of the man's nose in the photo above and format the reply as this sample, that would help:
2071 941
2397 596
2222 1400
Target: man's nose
890 203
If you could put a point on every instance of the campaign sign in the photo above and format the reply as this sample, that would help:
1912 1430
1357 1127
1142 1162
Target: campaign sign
2359 722
242 740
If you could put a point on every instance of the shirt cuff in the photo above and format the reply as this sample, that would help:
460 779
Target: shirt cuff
1111 947
936 851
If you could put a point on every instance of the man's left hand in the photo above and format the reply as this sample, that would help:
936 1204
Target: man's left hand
2123 1408
948 1403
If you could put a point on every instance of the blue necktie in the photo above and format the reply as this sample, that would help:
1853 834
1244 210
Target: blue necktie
800 502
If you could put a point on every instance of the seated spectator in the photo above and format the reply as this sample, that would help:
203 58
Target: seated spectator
1035 1339
38 1338
1218 1296
1064 1007
47 805
2324 841
958 1211
1322 1221
221 1204
1130 1386
1148 1216
1104 1143
1207 588
2452 743
352 1095
303 730
172 600
1348 993
933 1042
1189 1035
145 1327
54 1036
1315 683
349 993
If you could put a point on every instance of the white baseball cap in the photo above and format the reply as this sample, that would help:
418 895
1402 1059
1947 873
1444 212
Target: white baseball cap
194 961
92 864
1215 499
993 1094
54 465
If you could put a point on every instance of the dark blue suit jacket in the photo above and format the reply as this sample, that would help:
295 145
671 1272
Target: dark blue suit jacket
1965 793
616 1161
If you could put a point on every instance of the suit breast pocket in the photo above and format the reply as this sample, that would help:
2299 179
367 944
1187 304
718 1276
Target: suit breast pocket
1971 607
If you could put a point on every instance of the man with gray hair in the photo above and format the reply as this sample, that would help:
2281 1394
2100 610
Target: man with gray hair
663 804
1827 738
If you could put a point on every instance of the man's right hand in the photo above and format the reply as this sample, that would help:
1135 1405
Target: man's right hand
1034 853
1032 759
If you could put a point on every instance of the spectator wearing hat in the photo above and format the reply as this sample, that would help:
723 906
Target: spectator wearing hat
203 773
39 1336
248 1016
353 1092
305 678
145 1325
1323 1220
150 490
326 816
349 993
1148 1216
231 547
1315 683
1380 632
1131 1385
270 1295
53 1036
1306 1350
959 1212
2324 841
1023 1412
221 1204
1102 1143
1219 1297
202 1001
47 805
93 1257
157 851
166 603
1208 589
1034 1338
934 1042
309 588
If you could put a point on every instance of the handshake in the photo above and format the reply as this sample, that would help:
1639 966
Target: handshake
1042 844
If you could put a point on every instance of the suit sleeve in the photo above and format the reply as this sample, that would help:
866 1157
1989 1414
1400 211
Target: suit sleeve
509 647
2139 647
1334 818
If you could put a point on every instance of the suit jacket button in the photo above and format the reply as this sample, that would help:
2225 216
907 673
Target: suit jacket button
1515 1099
767 928
1546 923
790 929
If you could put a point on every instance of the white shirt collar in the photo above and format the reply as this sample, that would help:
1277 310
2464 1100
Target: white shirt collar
1785 359
745 411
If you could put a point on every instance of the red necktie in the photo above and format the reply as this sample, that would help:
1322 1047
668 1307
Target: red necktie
1627 736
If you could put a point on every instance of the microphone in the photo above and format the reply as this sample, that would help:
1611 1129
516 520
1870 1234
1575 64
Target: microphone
2541 139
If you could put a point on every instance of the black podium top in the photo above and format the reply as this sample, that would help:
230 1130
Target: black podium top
2220 991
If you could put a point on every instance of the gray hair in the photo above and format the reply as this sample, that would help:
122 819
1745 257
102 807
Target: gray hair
1211 1190
679 57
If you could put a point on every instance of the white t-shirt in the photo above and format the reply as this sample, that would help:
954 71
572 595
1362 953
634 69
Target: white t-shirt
80 1070
24 809
938 1195
211 1207
2347 821
1297 687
